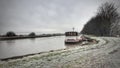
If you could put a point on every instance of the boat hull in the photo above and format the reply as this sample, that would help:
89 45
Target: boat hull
71 42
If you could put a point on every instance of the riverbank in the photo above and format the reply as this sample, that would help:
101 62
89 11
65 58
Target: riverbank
104 54
26 36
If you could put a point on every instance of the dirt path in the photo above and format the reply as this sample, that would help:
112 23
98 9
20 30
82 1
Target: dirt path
105 54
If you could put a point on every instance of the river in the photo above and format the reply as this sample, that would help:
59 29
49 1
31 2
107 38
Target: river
11 48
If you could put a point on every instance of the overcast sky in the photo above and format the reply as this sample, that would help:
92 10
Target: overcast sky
46 16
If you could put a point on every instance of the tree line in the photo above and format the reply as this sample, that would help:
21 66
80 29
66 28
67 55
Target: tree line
32 34
105 23
12 34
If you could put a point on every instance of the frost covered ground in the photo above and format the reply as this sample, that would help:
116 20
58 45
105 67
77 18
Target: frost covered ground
104 54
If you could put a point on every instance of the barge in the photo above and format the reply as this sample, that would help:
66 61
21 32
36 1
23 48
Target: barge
72 37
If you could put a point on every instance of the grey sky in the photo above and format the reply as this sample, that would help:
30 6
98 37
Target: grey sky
46 16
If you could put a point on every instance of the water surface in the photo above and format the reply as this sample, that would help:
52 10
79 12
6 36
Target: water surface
10 48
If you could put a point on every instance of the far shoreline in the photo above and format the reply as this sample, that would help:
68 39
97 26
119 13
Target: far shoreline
27 37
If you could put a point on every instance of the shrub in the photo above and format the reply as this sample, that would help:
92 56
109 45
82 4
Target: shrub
32 34
10 34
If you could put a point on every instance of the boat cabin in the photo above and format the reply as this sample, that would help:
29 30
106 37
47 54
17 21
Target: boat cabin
72 37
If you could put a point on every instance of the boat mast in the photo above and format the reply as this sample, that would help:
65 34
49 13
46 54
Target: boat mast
73 29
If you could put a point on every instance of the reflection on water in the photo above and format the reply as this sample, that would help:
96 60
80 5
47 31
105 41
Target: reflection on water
73 45
10 48
10 42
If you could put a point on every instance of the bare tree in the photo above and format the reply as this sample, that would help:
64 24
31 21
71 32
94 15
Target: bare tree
110 16
105 23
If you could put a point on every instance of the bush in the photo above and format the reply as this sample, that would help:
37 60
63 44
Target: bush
32 34
10 34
